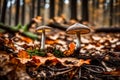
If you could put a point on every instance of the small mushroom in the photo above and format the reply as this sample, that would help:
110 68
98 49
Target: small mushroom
43 29
78 29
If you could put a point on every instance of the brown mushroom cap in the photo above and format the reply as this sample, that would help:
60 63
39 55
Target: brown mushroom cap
77 27
41 28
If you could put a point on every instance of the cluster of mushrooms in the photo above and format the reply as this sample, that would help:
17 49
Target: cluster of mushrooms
76 29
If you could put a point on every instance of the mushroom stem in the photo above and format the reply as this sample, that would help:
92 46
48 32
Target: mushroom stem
43 40
78 41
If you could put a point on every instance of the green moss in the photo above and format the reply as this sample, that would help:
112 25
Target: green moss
36 52
58 53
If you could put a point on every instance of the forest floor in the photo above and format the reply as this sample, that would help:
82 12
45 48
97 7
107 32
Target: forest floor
97 59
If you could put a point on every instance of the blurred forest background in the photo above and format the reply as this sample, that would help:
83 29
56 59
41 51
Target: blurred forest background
100 13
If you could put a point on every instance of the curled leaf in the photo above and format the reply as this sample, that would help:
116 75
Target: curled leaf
71 49
35 61
72 46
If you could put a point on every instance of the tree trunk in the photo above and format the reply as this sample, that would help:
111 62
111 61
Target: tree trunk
4 11
60 11
23 13
52 8
33 9
85 14
73 7
17 12
38 7
111 12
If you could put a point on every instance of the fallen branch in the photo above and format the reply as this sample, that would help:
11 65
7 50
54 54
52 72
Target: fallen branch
58 26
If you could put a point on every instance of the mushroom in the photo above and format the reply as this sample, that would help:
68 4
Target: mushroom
43 29
78 29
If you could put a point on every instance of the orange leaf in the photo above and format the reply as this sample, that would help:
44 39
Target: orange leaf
26 39
23 54
53 61
71 49
84 61
68 52
72 46
51 41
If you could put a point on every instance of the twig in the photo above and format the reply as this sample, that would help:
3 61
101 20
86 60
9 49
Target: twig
96 69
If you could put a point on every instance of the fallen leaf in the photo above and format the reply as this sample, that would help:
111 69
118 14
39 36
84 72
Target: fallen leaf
72 46
23 60
53 61
82 61
26 39
23 54
10 44
14 61
51 41
38 60
71 49
35 61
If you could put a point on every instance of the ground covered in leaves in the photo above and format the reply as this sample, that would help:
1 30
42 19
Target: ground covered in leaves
22 59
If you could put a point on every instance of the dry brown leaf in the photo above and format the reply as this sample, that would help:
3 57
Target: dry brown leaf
54 60
14 61
35 61
73 61
44 59
23 60
23 54
10 44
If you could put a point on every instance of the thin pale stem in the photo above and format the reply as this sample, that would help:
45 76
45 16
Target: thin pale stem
43 40
78 44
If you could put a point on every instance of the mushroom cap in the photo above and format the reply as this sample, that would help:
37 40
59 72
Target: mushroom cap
77 27
41 28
